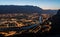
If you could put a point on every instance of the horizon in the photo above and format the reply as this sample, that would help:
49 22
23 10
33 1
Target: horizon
44 4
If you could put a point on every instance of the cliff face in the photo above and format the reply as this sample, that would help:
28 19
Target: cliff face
56 18
56 22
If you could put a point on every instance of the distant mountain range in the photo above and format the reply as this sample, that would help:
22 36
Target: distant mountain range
24 9
53 12
19 9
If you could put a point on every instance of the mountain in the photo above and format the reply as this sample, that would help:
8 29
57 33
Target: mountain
24 9
55 23
53 12
19 9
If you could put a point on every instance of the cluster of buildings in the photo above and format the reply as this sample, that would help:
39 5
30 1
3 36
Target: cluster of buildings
21 20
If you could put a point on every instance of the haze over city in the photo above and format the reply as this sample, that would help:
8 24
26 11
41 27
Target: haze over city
44 4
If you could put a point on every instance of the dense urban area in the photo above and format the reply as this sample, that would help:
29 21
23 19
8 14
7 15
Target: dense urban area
22 20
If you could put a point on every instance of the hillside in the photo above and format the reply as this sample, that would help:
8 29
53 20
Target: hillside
53 12
19 9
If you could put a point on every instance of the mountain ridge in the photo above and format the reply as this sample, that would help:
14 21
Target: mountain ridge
24 9
19 9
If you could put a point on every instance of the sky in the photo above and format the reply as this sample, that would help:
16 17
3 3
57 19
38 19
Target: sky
44 4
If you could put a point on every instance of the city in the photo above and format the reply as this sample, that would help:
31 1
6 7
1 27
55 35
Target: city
29 18
19 20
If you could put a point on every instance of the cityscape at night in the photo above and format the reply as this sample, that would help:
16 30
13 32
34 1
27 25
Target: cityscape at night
29 18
